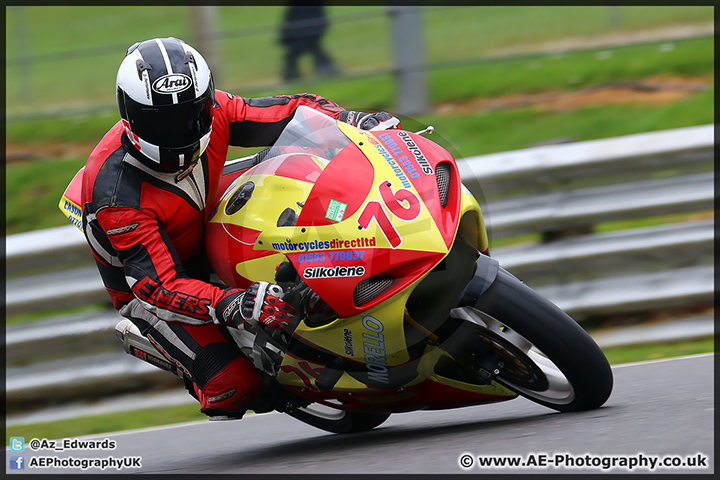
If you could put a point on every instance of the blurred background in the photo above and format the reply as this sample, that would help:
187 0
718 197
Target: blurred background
589 129
492 78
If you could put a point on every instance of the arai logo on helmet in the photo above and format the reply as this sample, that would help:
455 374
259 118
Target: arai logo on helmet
172 83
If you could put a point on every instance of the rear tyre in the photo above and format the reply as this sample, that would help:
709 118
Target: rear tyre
547 357
337 421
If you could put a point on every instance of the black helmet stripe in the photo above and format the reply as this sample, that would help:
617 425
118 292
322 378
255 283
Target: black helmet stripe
167 58
175 54
152 55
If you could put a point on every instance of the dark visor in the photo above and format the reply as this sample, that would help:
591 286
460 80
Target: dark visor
172 126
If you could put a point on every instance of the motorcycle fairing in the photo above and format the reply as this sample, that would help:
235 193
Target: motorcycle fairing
433 176
396 218
426 389
399 234
278 185
70 203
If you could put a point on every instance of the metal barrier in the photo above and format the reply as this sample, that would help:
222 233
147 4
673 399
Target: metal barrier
558 190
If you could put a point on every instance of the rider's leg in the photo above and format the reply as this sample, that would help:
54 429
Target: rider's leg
224 381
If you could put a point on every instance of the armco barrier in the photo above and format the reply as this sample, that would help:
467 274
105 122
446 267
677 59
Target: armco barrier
561 189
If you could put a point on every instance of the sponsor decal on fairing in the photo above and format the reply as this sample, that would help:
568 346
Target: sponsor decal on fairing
417 153
324 245
374 349
349 345
333 272
336 211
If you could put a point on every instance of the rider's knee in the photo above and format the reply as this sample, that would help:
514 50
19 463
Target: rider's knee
224 382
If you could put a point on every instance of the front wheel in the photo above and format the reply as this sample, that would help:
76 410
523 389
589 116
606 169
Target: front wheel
337 421
543 354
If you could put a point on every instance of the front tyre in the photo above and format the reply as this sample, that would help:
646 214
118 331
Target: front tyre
337 421
546 356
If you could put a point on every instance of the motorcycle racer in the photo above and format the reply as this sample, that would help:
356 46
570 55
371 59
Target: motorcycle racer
145 196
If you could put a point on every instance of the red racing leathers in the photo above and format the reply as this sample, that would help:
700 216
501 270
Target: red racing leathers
146 231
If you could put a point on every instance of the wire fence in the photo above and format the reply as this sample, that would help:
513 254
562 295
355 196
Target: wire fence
75 77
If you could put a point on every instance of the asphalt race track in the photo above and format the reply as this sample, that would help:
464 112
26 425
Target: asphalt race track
657 410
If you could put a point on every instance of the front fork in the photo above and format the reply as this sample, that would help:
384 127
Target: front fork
477 360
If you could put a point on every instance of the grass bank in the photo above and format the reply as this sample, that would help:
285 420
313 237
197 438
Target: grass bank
34 188
46 42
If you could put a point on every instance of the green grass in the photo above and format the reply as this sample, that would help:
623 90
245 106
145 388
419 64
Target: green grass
571 71
485 27
457 84
480 133
248 47
33 189
110 422
99 424
650 221
56 29
656 351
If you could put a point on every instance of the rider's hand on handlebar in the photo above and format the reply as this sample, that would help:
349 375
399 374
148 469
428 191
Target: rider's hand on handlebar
370 121
263 302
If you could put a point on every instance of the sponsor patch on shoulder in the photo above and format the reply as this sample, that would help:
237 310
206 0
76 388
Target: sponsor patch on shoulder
119 230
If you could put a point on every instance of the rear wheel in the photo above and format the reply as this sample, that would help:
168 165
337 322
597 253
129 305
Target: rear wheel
541 352
337 421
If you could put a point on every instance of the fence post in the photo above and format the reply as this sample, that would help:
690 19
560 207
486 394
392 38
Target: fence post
408 52
203 24
615 18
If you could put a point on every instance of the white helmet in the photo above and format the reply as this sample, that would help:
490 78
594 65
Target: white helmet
165 96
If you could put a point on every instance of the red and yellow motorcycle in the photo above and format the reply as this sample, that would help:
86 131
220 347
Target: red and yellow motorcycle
384 254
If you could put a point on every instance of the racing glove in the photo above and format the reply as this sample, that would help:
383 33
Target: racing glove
370 121
261 302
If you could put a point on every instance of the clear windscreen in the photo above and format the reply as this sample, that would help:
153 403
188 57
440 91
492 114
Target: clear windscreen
310 132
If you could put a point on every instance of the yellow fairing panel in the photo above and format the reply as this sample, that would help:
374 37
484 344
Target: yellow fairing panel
271 195
418 234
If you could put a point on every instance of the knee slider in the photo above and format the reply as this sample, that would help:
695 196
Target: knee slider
225 379
211 360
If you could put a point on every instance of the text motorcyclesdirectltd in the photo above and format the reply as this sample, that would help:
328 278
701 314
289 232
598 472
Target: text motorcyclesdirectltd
324 244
